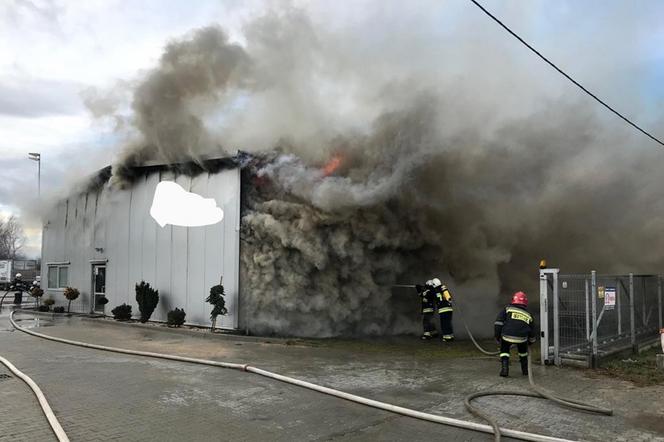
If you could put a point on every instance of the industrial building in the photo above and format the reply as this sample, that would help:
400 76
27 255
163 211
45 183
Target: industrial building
102 240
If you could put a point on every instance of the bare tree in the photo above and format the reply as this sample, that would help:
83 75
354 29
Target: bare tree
12 238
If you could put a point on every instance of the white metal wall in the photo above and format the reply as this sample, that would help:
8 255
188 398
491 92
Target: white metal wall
181 262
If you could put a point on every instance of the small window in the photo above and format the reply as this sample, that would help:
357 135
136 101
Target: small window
58 277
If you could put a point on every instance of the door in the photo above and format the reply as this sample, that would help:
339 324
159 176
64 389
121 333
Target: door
98 287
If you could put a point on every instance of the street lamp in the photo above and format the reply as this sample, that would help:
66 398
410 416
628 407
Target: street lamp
34 156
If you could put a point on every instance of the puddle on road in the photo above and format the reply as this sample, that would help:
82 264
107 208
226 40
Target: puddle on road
35 322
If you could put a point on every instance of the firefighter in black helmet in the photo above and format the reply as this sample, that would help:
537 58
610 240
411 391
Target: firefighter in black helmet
445 309
428 297
514 326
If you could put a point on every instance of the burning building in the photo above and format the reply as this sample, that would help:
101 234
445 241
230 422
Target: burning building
358 179
288 267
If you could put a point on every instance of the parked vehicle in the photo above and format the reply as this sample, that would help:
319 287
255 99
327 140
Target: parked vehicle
6 274
29 268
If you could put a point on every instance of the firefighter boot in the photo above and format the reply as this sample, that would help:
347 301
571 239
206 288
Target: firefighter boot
524 365
504 366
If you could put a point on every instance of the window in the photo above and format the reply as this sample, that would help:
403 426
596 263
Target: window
63 276
58 277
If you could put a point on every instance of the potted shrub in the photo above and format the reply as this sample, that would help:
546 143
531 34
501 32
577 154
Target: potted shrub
37 292
47 305
218 302
70 293
147 299
122 312
175 318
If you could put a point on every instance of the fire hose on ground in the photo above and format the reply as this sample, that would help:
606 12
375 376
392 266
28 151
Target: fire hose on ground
537 392
522 435
43 403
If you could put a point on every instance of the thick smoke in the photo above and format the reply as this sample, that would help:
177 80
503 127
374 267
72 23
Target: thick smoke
447 166
192 75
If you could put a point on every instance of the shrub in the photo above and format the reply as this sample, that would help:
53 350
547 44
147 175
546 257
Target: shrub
49 302
218 302
147 299
44 308
58 309
175 317
102 301
70 293
122 312
37 292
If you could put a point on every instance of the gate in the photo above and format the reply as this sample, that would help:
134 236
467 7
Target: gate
585 317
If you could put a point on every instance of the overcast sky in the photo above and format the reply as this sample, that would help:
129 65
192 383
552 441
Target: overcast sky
52 52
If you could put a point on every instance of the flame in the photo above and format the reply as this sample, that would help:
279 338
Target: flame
332 165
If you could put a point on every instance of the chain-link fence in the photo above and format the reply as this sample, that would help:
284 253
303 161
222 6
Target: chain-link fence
587 316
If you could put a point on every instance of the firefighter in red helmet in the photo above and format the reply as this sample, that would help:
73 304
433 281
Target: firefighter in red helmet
514 326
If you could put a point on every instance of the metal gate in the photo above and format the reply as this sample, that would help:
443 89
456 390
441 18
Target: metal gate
587 316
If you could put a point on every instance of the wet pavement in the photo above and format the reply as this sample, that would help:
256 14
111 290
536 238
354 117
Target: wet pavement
101 396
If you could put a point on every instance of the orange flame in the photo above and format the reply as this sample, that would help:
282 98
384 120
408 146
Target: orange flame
331 166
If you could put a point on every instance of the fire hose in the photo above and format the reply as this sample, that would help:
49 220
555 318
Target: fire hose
43 403
538 392
326 390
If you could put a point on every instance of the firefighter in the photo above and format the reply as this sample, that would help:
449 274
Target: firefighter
514 326
428 305
444 306
19 286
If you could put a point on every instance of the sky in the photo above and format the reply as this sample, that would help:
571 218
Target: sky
55 53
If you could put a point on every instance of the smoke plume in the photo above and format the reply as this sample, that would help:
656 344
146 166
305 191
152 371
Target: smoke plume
449 161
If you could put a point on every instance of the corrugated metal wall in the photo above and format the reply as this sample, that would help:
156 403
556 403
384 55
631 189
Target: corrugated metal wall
183 263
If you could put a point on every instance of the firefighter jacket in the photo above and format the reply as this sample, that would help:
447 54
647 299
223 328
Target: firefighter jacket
444 298
514 324
428 299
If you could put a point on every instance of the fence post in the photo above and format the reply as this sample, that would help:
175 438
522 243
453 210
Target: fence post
544 318
593 282
587 293
644 319
632 330
618 291
556 321
659 299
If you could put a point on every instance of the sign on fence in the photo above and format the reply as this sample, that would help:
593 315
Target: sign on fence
609 298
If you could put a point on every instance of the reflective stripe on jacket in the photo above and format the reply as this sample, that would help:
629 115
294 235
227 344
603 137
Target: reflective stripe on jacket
444 299
515 324
428 300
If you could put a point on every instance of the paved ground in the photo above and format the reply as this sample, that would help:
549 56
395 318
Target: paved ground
102 396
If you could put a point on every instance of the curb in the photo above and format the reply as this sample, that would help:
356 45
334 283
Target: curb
163 328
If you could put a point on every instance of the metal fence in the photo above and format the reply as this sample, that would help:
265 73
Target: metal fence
585 317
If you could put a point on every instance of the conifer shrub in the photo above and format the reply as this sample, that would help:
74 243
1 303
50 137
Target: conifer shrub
147 299
175 318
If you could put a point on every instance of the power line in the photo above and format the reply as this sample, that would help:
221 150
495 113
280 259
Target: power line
627 120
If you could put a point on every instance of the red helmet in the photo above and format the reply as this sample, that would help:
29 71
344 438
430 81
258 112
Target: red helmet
520 298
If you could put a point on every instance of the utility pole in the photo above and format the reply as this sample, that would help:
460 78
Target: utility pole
34 156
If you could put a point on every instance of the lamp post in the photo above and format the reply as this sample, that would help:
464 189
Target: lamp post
34 156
